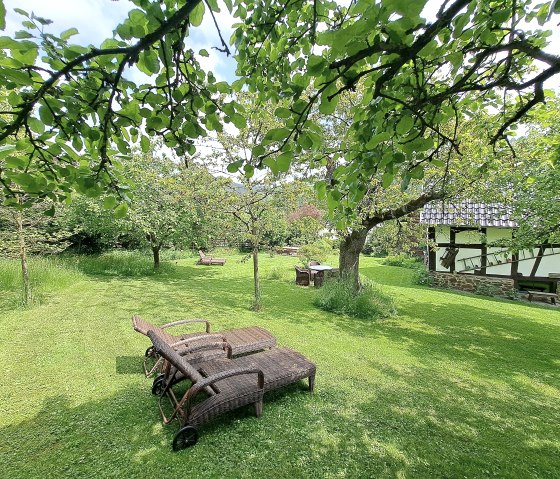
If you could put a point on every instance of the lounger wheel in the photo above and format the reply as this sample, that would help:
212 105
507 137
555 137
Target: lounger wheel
149 352
186 437
158 385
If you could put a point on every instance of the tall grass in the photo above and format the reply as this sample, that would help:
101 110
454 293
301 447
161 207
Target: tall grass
370 302
46 275
117 263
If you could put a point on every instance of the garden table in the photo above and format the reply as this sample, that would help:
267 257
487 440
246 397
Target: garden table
319 275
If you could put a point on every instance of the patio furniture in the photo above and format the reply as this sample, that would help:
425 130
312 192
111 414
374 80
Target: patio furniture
318 273
209 260
303 276
542 295
221 385
241 340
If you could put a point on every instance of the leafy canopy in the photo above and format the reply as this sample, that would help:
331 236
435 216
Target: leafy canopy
74 114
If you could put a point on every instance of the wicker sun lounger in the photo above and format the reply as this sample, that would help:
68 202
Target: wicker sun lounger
210 260
241 340
224 384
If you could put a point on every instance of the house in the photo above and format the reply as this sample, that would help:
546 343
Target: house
470 250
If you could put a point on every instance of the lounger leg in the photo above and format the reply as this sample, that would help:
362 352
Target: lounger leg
311 383
259 408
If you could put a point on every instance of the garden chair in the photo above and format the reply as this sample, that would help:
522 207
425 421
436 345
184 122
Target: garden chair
221 385
303 276
241 340
209 260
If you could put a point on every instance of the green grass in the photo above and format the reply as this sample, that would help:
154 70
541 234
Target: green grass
455 386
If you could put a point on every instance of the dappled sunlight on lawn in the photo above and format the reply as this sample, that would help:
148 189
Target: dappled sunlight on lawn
456 385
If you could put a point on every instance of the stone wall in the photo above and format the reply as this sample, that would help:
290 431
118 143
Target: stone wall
473 283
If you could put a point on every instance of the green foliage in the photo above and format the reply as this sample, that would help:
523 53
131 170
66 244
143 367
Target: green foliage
47 275
403 261
317 251
117 263
486 289
370 302
422 276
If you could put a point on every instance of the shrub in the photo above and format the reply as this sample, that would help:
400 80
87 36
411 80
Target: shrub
368 303
422 277
403 261
486 289
317 251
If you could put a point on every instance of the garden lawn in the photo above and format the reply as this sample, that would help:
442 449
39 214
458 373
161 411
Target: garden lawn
455 386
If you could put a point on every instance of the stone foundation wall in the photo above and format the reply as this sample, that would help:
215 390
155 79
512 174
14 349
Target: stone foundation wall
473 284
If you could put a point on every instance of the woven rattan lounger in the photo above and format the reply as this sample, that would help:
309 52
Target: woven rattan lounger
241 340
227 384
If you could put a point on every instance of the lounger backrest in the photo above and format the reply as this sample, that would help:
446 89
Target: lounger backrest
201 254
167 352
142 326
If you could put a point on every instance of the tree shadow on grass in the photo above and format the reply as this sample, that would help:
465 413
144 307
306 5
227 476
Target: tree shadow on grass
405 424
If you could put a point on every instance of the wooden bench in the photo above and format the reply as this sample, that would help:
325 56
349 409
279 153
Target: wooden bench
539 294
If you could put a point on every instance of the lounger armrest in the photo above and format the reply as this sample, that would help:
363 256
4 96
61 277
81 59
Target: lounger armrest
199 386
194 339
206 347
187 321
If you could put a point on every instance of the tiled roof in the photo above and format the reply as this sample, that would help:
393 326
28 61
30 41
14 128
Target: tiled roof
467 214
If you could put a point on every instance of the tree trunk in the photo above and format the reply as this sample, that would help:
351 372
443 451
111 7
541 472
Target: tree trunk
257 304
155 252
23 256
349 256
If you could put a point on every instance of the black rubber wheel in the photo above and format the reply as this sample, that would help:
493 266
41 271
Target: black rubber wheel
149 352
158 385
186 437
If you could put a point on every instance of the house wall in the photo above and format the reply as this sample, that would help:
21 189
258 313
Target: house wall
473 284
499 265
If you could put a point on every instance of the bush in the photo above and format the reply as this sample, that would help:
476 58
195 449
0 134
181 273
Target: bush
485 289
317 251
403 261
368 303
422 277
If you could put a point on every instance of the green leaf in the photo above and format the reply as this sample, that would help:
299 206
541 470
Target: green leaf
277 134
282 112
321 189
2 15
50 211
376 139
36 125
110 202
5 150
407 8
328 107
121 210
404 125
234 167
203 53
197 14
66 34
145 144
16 162
387 179
284 160
238 120
257 151
148 62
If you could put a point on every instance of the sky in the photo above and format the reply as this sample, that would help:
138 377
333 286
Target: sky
96 20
